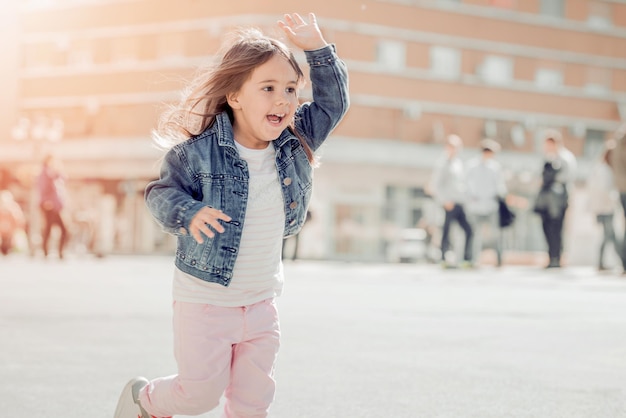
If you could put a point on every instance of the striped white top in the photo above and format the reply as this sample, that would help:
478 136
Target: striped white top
258 272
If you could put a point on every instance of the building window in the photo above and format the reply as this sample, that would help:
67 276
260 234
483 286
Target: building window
548 78
504 4
598 81
496 70
392 54
404 206
594 143
124 50
80 54
553 8
599 15
171 46
445 62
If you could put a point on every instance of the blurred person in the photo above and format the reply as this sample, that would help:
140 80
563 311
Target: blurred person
51 186
238 181
11 221
618 164
603 197
448 187
557 177
485 186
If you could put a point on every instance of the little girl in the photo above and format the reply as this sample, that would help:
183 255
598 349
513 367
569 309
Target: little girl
238 183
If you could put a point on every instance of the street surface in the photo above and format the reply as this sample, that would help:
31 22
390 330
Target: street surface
359 340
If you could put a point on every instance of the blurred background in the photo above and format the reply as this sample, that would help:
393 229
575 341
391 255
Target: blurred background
87 79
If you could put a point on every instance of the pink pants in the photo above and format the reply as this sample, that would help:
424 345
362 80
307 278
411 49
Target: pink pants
230 351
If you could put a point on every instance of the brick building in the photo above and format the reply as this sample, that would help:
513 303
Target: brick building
87 79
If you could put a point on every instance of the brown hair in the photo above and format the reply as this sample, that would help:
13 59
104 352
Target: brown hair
205 98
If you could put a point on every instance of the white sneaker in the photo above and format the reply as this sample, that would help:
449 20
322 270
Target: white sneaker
128 405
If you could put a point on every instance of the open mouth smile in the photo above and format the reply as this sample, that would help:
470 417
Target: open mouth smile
276 118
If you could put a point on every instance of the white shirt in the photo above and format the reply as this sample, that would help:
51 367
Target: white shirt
485 183
258 271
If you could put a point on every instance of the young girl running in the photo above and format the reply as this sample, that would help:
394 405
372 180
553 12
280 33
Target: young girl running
238 183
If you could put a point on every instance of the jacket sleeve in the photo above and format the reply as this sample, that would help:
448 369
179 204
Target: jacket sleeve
171 199
329 78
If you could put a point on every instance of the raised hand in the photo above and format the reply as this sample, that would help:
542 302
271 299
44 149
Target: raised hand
305 35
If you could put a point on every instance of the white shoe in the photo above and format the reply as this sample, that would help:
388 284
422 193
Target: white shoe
128 405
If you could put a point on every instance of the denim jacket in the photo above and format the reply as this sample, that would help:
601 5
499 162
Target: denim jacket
206 170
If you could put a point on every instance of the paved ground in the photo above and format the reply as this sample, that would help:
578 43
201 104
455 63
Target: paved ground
359 340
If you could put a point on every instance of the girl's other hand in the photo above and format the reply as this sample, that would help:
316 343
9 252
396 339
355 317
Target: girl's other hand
305 35
205 218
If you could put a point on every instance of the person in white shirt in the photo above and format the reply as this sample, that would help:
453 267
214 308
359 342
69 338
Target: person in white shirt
485 186
448 189
603 198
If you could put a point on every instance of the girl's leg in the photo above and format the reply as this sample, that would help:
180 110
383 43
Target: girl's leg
203 340
251 389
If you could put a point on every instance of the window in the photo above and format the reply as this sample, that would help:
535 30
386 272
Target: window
548 78
496 70
392 54
171 46
124 50
553 8
599 15
445 62
594 143
504 4
404 206
598 81
80 54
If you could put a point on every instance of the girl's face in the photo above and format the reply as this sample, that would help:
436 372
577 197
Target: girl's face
265 104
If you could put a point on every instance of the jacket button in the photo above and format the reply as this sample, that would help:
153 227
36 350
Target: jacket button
293 205
287 181
183 231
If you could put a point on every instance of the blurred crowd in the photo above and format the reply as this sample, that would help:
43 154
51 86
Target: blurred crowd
474 196
34 218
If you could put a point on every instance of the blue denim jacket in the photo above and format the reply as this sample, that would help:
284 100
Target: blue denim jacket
206 170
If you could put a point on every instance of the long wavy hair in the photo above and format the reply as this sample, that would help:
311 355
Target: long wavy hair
206 96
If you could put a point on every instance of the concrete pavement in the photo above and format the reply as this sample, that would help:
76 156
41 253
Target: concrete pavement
359 340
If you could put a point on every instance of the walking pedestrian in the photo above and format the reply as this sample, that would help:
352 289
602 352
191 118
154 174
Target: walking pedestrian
51 184
11 221
485 186
558 173
238 183
449 190
618 164
603 198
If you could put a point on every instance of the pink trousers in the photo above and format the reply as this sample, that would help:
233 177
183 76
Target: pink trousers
219 351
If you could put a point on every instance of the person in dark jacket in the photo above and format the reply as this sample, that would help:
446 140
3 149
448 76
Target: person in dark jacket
552 199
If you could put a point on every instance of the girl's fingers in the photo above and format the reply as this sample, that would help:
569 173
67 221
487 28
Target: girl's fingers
207 223
288 20
298 19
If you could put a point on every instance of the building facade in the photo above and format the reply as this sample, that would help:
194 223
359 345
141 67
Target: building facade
87 80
